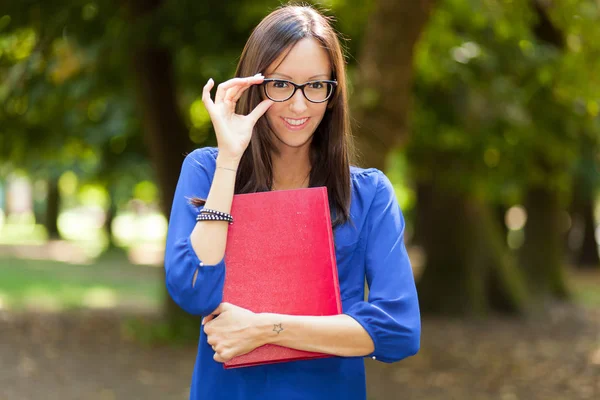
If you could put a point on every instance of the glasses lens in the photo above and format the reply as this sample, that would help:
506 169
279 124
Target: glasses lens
279 90
318 91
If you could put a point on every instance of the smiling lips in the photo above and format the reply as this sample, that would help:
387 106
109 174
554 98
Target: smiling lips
296 124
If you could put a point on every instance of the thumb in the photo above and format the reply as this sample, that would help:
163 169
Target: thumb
260 109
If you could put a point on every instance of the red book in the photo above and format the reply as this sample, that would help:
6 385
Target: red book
280 258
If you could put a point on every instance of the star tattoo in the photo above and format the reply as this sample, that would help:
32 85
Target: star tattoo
277 328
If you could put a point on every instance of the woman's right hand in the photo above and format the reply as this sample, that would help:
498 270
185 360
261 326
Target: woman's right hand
233 130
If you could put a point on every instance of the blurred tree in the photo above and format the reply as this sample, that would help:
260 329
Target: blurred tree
582 211
67 95
63 99
542 255
579 84
52 208
496 123
384 77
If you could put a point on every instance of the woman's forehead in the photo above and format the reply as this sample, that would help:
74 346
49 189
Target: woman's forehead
306 60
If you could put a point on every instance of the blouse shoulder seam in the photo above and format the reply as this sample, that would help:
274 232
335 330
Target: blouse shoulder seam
358 171
202 158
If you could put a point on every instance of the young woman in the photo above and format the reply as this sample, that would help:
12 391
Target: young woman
283 123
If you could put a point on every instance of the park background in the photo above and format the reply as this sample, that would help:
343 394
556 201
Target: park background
483 113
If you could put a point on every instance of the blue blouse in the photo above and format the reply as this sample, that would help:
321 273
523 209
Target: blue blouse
371 248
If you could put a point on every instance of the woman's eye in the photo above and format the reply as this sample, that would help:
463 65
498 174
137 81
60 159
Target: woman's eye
280 85
316 85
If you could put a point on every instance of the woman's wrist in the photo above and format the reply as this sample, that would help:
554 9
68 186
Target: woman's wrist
269 328
227 162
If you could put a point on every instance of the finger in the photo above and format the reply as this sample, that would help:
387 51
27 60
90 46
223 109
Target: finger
242 90
221 308
235 93
207 319
208 103
217 310
260 109
231 94
223 87
218 358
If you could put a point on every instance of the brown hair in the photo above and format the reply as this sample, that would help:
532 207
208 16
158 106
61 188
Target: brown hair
331 145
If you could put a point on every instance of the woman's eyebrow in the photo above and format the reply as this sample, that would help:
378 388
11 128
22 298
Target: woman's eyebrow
290 78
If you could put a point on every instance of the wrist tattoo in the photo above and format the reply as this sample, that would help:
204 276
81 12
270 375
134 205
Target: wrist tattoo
277 328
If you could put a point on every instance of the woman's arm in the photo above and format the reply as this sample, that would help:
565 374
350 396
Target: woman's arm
233 134
387 327
391 315
194 277
194 253
210 237
238 331
339 335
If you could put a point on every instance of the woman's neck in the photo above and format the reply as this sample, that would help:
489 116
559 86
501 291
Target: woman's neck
291 169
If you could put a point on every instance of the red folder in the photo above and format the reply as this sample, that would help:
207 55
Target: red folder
280 258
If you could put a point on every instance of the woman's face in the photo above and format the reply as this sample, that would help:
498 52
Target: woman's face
306 61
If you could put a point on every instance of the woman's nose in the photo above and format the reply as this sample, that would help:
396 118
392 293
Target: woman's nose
298 103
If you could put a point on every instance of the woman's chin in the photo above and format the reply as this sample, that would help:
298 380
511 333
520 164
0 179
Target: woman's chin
294 139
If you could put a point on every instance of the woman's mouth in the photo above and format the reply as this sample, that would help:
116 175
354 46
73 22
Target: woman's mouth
294 124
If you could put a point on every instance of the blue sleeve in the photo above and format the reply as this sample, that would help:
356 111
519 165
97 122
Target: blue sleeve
391 316
202 293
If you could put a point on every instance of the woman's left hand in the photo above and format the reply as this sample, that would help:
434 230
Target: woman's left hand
233 333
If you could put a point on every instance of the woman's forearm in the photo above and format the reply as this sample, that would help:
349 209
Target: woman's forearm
210 237
339 335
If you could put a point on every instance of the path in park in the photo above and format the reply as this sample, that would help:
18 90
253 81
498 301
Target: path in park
85 355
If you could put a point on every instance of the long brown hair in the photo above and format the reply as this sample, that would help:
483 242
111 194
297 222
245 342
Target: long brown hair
331 145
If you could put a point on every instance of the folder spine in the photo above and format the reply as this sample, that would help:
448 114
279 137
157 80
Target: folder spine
331 244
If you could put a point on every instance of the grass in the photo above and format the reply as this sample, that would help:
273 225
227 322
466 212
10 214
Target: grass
113 282
51 285
585 285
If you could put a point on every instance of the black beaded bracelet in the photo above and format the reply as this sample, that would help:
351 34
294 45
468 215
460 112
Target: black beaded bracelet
209 217
215 212
214 215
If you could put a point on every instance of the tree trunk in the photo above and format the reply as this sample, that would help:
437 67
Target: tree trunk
383 87
424 200
583 249
467 271
52 208
542 253
587 256
110 217
164 130
500 215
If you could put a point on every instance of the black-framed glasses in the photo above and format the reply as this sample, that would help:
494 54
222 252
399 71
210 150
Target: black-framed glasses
314 91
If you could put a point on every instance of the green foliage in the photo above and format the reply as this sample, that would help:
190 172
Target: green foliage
67 97
498 106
